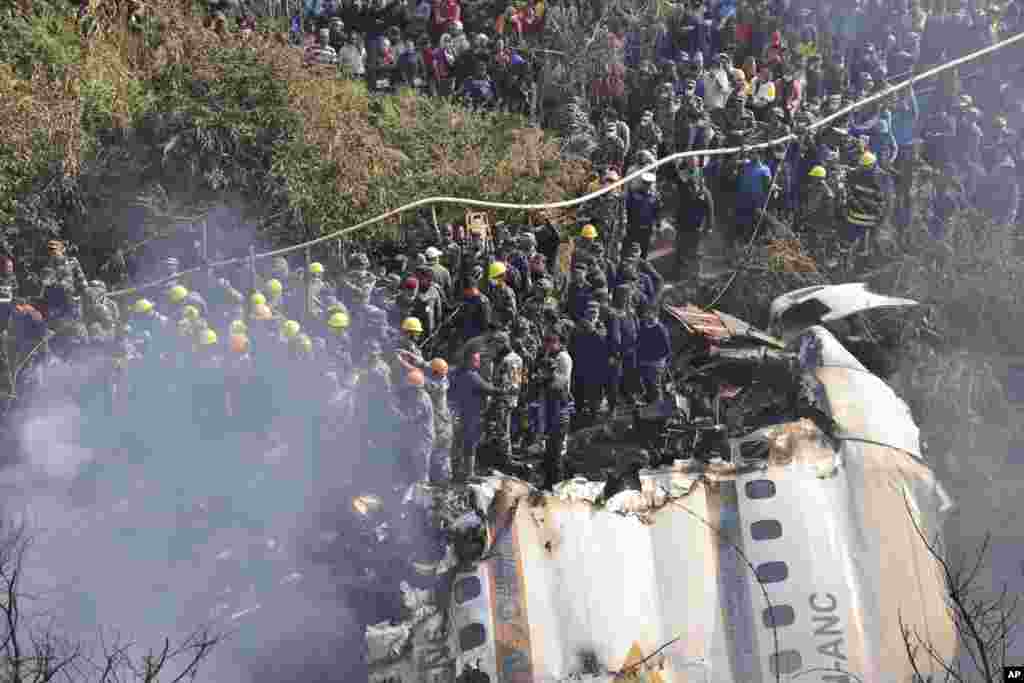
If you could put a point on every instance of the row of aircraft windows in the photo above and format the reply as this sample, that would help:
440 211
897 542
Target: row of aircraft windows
785 662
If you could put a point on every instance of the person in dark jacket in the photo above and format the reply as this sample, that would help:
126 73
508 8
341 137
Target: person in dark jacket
695 217
622 347
590 353
642 209
470 395
654 348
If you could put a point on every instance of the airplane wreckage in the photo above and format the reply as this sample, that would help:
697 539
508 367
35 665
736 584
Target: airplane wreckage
777 542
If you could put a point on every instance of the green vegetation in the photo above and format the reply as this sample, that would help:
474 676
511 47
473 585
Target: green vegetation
162 101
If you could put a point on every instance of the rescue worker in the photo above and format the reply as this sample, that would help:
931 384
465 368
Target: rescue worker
648 133
654 348
412 333
590 353
508 377
471 394
442 276
339 345
476 311
866 206
554 371
642 209
695 216
622 347
503 299
437 389
418 436
753 188
63 283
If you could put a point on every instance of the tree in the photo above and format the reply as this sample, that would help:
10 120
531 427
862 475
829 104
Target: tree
33 650
985 626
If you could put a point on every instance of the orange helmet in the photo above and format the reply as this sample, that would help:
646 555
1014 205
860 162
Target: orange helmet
239 343
439 366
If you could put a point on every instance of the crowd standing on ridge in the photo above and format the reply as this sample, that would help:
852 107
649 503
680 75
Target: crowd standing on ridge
480 338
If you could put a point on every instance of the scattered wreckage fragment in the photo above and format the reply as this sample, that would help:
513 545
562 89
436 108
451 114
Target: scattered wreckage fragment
799 555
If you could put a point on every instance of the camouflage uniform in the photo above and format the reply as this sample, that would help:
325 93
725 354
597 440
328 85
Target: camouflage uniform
100 309
444 433
610 153
65 273
508 376
665 117
418 413
503 305
648 135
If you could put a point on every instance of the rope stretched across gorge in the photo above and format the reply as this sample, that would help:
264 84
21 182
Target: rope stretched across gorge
886 92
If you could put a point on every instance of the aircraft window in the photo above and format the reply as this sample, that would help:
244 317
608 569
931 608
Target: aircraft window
766 529
466 589
778 615
760 488
772 572
786 662
471 637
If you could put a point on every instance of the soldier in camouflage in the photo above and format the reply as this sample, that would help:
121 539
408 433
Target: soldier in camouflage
503 298
611 150
648 133
63 282
508 377
417 413
99 308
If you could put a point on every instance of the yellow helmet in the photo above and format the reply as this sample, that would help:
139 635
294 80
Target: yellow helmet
143 306
817 172
412 325
207 337
338 321
274 287
190 313
290 328
238 327
496 270
589 232
257 299
177 294
316 268
868 160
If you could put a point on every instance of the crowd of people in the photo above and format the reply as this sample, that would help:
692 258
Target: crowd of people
713 73
482 337
462 342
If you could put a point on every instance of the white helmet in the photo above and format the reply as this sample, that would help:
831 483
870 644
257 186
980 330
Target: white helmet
457 26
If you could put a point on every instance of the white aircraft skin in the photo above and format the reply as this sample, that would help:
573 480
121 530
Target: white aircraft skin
798 568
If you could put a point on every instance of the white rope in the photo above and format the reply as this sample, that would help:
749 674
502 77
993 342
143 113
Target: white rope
887 92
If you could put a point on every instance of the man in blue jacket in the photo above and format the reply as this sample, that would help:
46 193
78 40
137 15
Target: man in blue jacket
752 195
905 115
654 347
642 207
